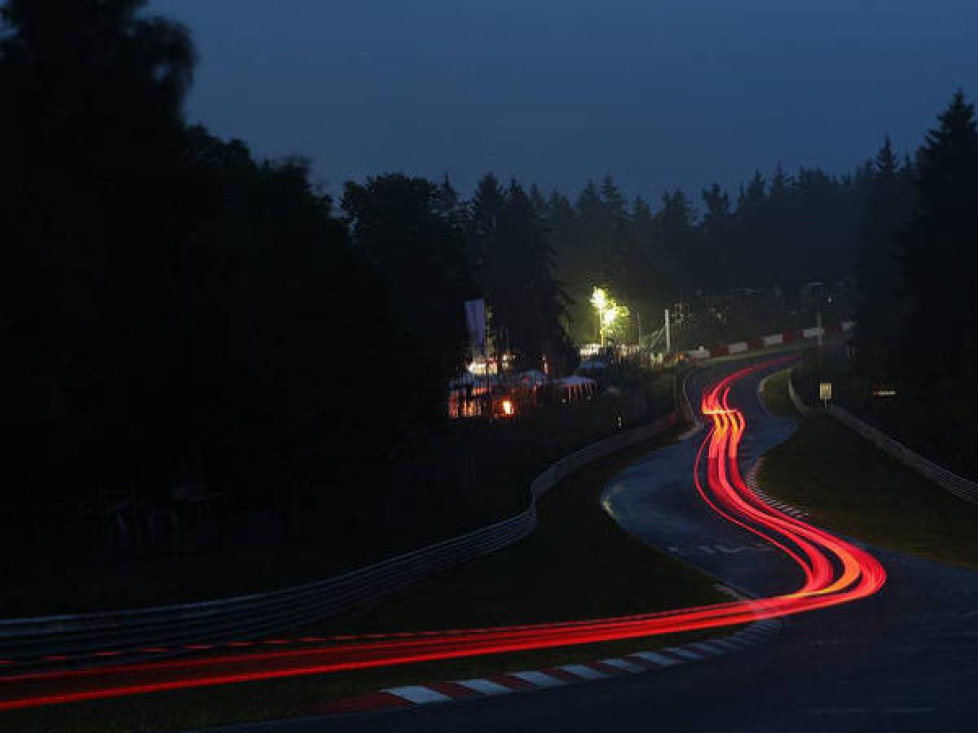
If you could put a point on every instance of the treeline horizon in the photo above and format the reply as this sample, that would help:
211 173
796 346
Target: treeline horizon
653 258
177 311
917 327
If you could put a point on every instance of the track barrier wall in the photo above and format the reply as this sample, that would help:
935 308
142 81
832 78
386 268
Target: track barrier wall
960 486
130 634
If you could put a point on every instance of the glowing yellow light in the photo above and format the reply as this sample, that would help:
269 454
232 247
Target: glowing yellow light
599 299
609 312
508 408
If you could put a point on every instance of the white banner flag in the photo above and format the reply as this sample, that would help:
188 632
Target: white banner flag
475 317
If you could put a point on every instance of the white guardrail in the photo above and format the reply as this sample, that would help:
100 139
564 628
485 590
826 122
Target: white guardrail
960 486
80 637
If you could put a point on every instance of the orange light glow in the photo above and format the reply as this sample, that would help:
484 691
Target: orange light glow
508 408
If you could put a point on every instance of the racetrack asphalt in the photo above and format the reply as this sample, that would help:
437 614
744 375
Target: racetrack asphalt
905 659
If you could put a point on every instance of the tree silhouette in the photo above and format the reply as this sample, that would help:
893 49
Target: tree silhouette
175 310
888 207
940 258
485 211
717 231
400 226
93 196
518 274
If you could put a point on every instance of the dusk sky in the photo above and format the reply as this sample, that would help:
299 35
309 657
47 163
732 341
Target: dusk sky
658 94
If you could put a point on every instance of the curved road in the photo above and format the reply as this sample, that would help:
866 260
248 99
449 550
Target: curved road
655 500
905 659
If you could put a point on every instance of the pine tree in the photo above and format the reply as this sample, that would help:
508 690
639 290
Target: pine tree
756 193
675 242
584 263
448 205
641 217
520 281
716 231
484 212
400 226
940 258
780 183
562 228
615 242
751 229
539 203
888 207
612 199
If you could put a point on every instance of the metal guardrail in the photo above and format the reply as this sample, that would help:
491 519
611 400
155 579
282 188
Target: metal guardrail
685 405
960 486
799 404
135 633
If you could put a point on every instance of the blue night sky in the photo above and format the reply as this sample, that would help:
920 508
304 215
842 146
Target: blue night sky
658 94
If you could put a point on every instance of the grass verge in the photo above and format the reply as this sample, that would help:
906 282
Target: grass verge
465 475
774 393
847 484
577 564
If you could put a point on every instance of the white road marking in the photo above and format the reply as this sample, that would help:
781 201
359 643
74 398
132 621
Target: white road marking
485 687
538 678
708 647
684 653
741 548
418 694
661 659
585 672
622 665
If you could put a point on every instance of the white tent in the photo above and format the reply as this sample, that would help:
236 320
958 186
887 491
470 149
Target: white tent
576 381
589 365
576 388
532 378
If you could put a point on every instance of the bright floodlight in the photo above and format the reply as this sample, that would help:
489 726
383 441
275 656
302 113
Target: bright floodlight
611 316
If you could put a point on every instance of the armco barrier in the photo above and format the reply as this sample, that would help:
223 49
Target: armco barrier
799 404
685 406
958 485
126 633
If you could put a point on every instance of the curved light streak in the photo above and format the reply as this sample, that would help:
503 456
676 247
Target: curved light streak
833 572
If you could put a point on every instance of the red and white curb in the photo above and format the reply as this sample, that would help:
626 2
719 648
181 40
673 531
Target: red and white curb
774 339
568 674
751 480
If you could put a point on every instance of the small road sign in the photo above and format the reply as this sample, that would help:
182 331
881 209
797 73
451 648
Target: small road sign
825 391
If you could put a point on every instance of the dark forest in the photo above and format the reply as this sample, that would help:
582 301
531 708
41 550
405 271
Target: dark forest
174 310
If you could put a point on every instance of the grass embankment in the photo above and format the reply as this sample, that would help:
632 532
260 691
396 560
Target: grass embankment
774 392
466 475
577 564
935 420
847 484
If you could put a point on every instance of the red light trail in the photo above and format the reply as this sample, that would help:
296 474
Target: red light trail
834 572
